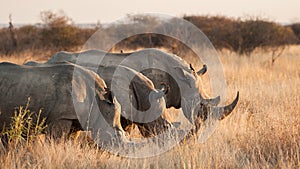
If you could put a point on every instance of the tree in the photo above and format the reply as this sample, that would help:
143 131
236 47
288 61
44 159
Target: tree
59 31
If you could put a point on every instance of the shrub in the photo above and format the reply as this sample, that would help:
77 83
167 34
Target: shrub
296 29
245 36
222 32
264 34
28 37
59 31
5 41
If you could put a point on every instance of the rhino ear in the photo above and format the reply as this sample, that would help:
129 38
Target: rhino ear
191 67
203 70
108 96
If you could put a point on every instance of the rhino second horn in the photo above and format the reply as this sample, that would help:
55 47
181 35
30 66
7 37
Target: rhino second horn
203 70
213 102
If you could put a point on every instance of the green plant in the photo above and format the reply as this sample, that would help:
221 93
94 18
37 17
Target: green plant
25 126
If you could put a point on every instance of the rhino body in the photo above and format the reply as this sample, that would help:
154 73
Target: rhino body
159 67
140 101
68 100
139 91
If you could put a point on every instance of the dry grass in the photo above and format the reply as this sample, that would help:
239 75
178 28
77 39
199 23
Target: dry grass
262 132
25 56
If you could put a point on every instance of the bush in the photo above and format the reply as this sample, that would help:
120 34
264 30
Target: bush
264 34
243 37
222 32
28 37
5 41
59 31
296 29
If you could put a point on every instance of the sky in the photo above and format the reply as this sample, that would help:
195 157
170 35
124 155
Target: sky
93 11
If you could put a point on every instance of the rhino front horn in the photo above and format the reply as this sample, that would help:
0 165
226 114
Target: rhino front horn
222 112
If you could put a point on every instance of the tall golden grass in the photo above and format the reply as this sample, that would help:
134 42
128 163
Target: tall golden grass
262 132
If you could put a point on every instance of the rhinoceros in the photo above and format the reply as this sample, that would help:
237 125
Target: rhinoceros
142 95
140 101
69 96
159 67
94 58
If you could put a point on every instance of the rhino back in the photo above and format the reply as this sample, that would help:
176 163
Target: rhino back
48 89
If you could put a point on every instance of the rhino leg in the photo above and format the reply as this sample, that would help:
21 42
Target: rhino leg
59 128
127 125
3 142
154 128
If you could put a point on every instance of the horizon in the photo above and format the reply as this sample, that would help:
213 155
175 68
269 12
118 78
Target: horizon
94 11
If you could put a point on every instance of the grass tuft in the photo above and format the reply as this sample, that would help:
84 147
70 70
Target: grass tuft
25 126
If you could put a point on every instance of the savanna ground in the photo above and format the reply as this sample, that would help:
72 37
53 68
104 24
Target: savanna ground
262 132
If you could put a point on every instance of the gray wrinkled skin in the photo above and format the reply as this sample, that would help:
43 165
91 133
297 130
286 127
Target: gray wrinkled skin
164 68
50 89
